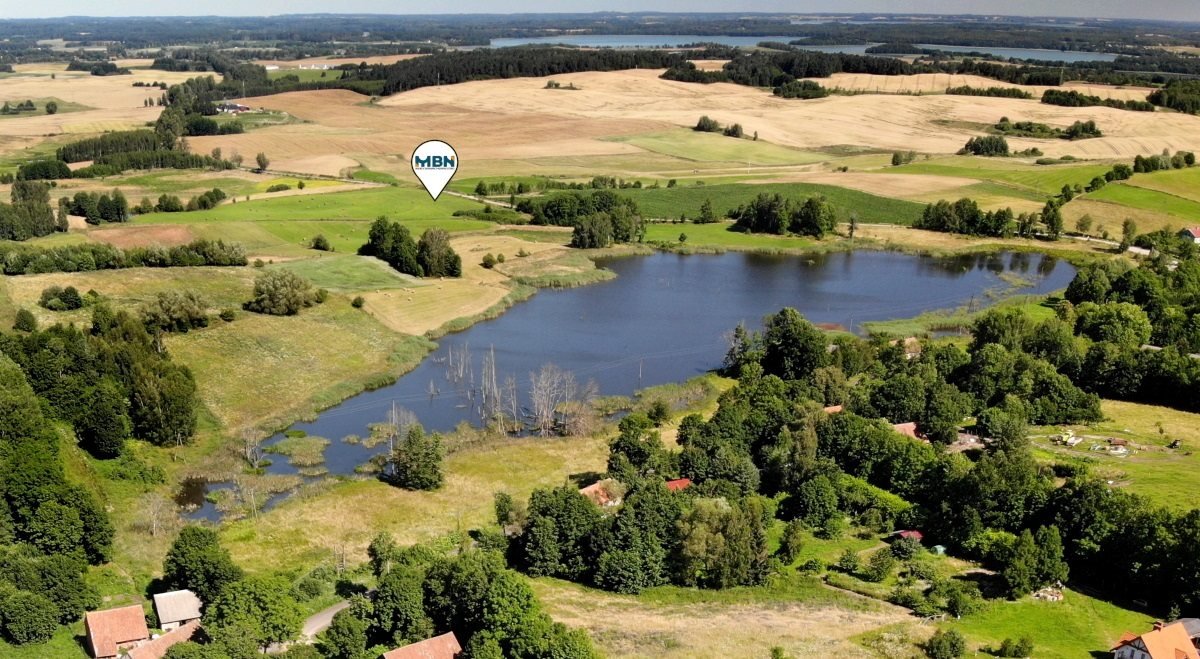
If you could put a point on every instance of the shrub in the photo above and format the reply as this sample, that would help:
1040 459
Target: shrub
56 298
521 253
947 644
29 618
499 257
228 315
792 542
322 295
321 243
489 261
281 293
358 302
848 562
279 187
707 125
880 566
300 185
906 548
1017 649
25 321
659 411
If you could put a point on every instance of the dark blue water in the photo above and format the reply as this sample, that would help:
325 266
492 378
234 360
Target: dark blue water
664 319
676 40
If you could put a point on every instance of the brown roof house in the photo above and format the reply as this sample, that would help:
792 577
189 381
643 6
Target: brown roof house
1170 641
157 648
439 647
111 631
604 493
175 608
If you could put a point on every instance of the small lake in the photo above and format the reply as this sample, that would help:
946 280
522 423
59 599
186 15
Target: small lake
664 319
676 40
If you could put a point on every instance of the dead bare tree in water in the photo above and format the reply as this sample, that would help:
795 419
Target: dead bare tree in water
252 448
490 404
399 421
554 397
579 417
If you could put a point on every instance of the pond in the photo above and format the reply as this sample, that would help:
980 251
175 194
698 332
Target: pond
664 319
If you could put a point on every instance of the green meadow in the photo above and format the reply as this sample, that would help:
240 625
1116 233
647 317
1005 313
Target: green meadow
1045 179
670 202
395 203
1143 198
714 147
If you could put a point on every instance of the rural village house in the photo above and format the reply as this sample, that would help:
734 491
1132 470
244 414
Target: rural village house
439 647
1191 233
1176 640
112 631
176 608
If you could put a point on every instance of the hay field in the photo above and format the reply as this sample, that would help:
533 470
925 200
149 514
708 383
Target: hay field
333 62
937 83
625 626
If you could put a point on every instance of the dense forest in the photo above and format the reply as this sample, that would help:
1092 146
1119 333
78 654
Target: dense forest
772 452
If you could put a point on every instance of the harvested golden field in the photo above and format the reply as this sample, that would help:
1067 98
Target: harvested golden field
902 186
938 83
625 626
126 236
341 128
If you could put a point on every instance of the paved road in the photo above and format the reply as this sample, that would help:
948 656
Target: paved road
320 621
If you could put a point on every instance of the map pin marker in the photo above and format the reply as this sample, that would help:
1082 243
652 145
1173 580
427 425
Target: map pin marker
434 163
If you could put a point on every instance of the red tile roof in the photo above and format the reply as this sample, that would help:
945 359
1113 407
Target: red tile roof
157 649
110 630
1169 642
439 647
1194 231
912 534
679 484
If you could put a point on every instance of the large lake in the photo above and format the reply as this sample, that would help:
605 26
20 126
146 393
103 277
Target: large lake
676 40
664 318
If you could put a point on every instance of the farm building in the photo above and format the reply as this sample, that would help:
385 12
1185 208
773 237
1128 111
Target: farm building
176 608
1191 233
439 647
907 429
833 409
1165 641
157 648
909 533
679 484
232 108
113 631
605 493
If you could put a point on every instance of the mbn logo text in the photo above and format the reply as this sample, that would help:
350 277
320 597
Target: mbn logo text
437 162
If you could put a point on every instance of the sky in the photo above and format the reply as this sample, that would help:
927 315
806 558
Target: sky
1187 10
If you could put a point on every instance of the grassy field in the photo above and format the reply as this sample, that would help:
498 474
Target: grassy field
714 147
395 203
40 103
670 202
1044 179
305 75
1178 182
347 272
720 235
796 613
1187 210
1163 475
1078 626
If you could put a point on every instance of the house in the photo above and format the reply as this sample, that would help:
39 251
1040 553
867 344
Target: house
157 648
111 631
175 608
232 108
1116 441
907 429
916 535
1165 641
833 409
1191 233
604 493
439 647
911 345
679 484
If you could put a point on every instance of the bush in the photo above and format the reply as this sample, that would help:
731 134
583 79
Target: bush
659 412
521 253
228 315
321 243
25 321
358 302
500 258
905 548
309 588
300 185
489 261
848 562
792 542
281 293
56 298
707 125
880 566
1016 649
946 645
279 187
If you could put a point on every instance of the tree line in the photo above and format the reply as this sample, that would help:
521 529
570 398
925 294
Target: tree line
600 217
768 213
1075 99
86 257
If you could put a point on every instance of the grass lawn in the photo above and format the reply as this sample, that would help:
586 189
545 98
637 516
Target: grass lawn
305 75
1178 182
1147 199
1163 475
951 320
40 105
1075 627
174 182
670 202
346 272
395 203
720 235
293 182
1044 179
714 147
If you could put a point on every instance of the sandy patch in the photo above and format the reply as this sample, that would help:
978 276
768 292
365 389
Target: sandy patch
427 307
145 235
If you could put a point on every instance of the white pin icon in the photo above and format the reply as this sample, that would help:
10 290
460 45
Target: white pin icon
434 163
